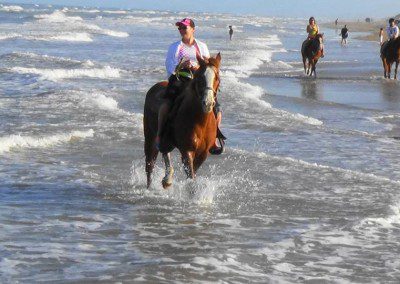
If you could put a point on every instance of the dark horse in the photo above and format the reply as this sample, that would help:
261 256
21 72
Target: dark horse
193 127
311 51
390 53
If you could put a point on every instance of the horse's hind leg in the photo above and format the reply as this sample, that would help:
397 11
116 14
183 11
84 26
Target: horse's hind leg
304 64
395 70
169 171
187 160
151 156
389 70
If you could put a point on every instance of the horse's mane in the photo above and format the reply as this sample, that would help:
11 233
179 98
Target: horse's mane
316 43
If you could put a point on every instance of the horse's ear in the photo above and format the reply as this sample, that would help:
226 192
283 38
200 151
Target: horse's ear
218 57
200 59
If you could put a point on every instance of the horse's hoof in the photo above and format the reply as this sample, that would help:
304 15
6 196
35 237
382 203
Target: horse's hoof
167 180
166 184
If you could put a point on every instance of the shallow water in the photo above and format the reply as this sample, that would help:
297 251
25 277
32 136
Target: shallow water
306 191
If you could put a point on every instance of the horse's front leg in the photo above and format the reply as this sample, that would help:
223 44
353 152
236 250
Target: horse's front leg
311 67
384 67
169 171
314 68
199 159
187 160
308 67
395 70
389 70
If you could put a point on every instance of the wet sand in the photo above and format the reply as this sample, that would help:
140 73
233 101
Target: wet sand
371 29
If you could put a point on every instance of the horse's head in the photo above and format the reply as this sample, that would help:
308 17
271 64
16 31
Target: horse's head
206 81
320 37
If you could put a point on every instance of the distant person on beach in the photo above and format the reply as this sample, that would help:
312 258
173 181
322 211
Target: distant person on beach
392 31
181 63
312 30
336 22
230 32
381 36
344 33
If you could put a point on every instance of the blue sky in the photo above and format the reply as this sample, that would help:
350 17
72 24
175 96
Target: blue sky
344 9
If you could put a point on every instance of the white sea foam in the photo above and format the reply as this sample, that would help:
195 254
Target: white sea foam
78 37
98 30
68 36
57 74
9 36
345 172
45 57
17 141
391 221
57 17
101 101
12 9
115 11
297 117
247 91
258 51
227 263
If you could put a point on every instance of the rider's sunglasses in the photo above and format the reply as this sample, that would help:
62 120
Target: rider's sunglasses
184 28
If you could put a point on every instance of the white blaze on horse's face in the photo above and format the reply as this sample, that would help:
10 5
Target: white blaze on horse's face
208 100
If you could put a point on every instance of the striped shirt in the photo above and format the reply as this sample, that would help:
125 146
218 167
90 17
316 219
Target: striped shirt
179 50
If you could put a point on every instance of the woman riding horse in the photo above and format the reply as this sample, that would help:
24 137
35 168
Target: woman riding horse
312 31
312 48
193 127
180 63
390 50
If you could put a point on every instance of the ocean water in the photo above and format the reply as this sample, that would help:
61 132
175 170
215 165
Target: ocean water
306 192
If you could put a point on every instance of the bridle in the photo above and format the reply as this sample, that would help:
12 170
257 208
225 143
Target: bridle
217 79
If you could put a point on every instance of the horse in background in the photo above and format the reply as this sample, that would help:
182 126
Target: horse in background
192 126
311 52
390 53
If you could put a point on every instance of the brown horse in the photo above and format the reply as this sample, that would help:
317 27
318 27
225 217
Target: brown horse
193 127
390 53
311 51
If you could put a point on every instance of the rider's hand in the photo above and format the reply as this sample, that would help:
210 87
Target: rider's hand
186 64
194 68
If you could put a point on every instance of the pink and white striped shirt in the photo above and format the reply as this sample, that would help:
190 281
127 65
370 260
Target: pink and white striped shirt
179 50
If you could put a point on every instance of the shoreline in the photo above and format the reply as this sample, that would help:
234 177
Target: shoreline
372 28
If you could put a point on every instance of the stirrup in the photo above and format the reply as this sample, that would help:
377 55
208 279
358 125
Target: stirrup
218 150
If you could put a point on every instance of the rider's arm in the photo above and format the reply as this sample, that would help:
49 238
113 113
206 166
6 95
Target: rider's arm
389 34
171 61
205 52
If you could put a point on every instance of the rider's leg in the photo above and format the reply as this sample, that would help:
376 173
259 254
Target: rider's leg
218 116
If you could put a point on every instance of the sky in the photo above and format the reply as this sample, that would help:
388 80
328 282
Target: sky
328 9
